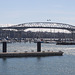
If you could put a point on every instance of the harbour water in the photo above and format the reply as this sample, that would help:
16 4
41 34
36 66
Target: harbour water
51 65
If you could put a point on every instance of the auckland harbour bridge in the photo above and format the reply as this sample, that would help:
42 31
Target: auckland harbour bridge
44 25
48 25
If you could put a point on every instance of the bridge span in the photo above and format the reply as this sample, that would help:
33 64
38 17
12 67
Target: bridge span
48 25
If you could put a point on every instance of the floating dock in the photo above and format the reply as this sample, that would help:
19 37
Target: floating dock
30 54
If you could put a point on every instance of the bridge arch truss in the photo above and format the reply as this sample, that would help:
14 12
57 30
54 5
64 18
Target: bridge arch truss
52 25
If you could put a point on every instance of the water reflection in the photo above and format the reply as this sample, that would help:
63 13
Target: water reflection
4 59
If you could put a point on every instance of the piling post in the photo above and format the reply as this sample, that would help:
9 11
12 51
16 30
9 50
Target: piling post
38 46
4 46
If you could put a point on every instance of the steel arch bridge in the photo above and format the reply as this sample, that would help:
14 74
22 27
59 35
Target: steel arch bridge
50 25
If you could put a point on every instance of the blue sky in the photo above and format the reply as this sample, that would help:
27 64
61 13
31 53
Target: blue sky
21 11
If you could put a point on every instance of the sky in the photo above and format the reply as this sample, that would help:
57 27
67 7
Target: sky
23 11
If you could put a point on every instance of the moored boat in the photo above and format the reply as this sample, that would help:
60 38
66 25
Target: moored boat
65 43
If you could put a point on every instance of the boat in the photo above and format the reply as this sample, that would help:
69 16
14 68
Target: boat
38 40
65 43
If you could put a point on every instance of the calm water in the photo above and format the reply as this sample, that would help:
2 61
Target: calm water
52 65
